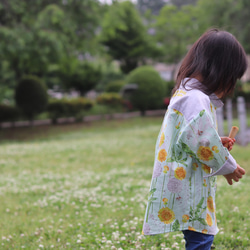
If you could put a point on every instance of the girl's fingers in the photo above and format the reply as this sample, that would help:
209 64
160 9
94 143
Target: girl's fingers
236 179
241 170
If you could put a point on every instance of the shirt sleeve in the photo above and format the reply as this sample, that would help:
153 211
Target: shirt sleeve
201 141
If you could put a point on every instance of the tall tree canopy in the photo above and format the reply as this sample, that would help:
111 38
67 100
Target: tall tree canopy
154 6
230 15
175 30
125 36
32 40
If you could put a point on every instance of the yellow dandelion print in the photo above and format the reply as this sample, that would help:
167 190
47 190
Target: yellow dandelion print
185 218
204 231
191 229
210 204
209 220
165 201
206 168
180 173
215 149
211 107
226 158
162 155
162 139
177 112
166 215
195 166
178 126
205 183
205 153
165 169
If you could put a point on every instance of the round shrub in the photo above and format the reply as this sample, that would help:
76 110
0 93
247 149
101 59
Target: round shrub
115 86
31 96
150 89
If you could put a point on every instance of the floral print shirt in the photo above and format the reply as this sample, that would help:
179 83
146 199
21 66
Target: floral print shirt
188 156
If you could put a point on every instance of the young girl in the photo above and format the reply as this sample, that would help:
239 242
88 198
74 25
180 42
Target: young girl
189 152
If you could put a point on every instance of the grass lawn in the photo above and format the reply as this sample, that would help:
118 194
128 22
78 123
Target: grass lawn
85 187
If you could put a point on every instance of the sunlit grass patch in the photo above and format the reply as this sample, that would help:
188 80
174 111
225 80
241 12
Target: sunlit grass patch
87 189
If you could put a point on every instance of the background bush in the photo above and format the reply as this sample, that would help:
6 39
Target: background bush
150 91
31 96
110 99
76 107
8 113
115 86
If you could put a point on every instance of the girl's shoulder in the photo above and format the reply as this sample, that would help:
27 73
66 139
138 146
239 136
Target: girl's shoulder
190 102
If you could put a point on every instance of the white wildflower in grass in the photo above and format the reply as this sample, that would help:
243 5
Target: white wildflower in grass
41 246
22 235
175 245
92 201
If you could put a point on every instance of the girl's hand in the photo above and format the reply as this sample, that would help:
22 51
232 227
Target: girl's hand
236 175
227 142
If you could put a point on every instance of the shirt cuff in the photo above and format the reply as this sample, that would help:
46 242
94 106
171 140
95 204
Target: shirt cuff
227 168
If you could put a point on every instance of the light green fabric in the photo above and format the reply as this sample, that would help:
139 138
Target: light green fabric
188 155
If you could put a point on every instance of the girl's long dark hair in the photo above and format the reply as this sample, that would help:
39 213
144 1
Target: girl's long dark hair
218 59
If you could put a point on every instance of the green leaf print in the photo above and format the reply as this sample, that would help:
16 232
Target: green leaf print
177 158
202 112
152 191
176 225
196 215
186 148
202 221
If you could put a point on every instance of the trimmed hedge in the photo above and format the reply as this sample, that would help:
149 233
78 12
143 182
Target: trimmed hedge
59 108
110 99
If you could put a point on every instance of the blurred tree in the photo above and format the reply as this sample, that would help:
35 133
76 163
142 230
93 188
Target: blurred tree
125 36
230 15
180 3
175 30
32 41
81 76
154 6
